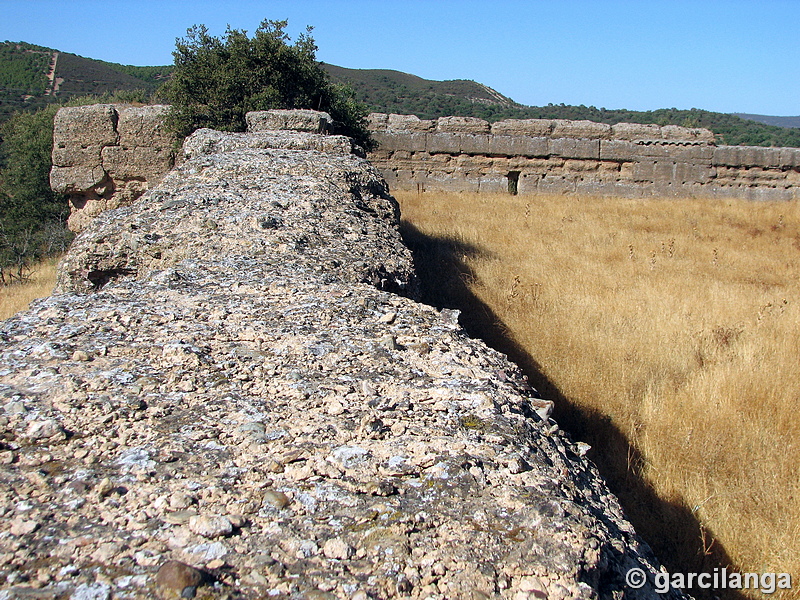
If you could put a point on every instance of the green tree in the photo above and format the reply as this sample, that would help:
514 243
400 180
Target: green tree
31 215
216 81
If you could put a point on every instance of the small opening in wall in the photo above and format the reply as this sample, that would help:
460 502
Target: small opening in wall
513 182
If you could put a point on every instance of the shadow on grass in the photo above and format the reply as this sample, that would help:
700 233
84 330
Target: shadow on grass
681 542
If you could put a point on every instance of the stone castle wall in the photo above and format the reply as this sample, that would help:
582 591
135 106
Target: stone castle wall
106 156
233 386
576 157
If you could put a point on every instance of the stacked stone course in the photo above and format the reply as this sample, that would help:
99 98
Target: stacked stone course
108 155
579 157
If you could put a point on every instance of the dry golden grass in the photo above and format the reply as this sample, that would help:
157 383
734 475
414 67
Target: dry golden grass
16 297
672 324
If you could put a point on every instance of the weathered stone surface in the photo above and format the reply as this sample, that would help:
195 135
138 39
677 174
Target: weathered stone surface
410 123
146 163
675 132
378 121
143 126
574 148
461 125
443 143
209 141
244 394
528 127
107 155
193 213
618 150
474 143
413 142
580 129
94 125
635 131
310 121
68 180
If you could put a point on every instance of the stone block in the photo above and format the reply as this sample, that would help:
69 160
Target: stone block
664 171
389 142
556 185
644 171
769 157
580 129
409 123
292 120
727 156
137 163
416 142
72 180
635 131
462 125
675 132
449 143
527 127
790 157
93 125
144 126
73 154
451 182
475 143
377 121
509 145
493 184
692 173
619 150
750 156
536 147
574 148
677 152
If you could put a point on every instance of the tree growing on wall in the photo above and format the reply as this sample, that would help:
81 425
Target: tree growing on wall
216 81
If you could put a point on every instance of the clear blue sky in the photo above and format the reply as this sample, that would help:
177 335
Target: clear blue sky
727 56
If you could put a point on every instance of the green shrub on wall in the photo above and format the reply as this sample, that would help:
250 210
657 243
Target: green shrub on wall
216 81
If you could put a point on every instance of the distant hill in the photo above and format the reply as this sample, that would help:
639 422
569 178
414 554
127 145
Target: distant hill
28 82
394 91
768 120
33 76
84 76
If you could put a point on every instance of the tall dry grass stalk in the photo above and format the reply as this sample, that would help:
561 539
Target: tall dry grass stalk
674 323
16 297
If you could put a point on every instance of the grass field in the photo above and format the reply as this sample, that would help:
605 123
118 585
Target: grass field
667 332
16 297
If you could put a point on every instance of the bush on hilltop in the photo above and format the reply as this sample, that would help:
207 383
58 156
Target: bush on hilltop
216 81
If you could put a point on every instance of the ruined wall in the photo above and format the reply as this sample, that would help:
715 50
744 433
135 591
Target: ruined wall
233 374
107 155
576 157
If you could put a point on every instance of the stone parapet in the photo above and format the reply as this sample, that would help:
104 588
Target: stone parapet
105 156
580 157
